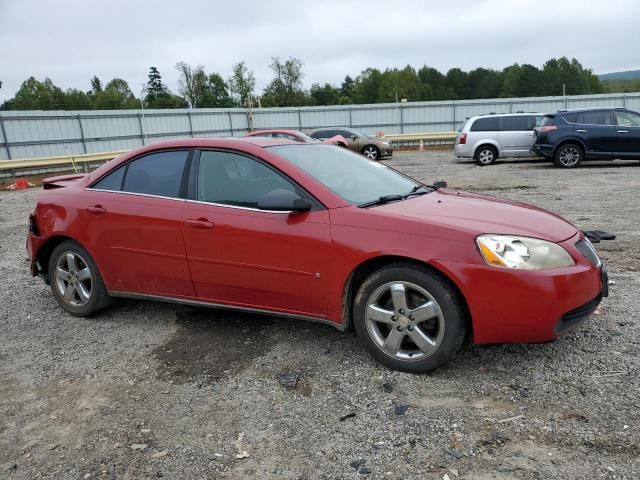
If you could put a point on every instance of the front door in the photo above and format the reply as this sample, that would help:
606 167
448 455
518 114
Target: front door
242 256
628 133
597 131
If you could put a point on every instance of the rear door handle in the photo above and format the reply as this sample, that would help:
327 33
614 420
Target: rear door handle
97 210
200 223
581 130
623 131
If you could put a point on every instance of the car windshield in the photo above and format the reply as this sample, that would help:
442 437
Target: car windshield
347 174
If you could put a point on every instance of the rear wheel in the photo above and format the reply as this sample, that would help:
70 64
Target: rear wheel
371 152
75 280
486 155
409 318
568 155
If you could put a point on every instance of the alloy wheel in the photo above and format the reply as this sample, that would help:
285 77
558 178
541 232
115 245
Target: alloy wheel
485 157
73 279
405 321
370 152
569 157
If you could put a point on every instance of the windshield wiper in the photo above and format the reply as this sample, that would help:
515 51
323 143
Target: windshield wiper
419 190
382 200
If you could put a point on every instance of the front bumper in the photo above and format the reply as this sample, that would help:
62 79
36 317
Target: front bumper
386 151
508 306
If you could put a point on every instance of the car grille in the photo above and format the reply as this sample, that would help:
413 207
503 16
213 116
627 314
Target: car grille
585 248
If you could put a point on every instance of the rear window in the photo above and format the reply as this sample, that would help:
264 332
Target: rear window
571 117
486 124
598 117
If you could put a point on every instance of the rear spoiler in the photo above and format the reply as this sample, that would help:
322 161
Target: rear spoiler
62 181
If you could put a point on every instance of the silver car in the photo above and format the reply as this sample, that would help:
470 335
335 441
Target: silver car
489 137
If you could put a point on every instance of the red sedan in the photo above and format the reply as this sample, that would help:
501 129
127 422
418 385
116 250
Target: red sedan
317 232
298 136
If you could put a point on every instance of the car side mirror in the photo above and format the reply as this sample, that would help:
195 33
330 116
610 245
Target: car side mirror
281 200
353 137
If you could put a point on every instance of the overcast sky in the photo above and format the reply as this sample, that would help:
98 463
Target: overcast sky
72 40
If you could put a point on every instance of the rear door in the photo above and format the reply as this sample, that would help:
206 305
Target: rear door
134 221
628 133
597 131
243 256
516 135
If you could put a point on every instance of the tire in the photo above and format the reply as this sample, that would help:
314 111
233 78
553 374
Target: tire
371 152
486 155
568 155
75 280
431 313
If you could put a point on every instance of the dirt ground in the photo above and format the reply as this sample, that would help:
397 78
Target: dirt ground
150 390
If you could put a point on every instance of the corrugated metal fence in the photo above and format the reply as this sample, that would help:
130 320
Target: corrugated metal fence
42 134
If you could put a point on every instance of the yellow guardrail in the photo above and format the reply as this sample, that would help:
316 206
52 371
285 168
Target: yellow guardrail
44 162
416 137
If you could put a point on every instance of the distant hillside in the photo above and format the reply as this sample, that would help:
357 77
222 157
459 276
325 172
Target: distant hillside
626 75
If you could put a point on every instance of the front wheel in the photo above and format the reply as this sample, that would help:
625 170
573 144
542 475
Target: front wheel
75 280
409 318
371 152
568 156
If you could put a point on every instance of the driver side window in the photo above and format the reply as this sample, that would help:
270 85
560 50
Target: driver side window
232 179
628 119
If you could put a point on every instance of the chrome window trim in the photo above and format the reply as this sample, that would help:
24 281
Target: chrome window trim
283 212
202 202
135 193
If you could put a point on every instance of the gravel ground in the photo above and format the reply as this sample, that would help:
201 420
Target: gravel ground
148 390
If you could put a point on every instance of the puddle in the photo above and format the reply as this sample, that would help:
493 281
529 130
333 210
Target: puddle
212 344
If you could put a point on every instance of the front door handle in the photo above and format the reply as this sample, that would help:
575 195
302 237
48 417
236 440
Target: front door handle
200 223
623 131
581 130
97 210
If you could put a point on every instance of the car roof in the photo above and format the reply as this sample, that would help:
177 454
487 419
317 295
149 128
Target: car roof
592 109
203 142
514 114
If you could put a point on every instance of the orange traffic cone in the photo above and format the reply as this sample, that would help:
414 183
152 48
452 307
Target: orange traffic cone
21 184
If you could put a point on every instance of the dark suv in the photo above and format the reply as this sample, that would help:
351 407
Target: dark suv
568 137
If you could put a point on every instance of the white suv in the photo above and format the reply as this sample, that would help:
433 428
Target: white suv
488 137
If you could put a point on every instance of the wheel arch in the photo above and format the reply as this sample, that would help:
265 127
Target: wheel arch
359 274
575 140
43 254
487 143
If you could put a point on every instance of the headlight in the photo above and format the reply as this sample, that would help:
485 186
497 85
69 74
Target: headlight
386 144
523 253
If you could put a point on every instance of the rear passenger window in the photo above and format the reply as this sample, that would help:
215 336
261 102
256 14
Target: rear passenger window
517 124
112 181
156 174
595 118
486 124
324 134
571 117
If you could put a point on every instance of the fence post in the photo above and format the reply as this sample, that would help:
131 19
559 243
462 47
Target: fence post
84 143
141 129
510 106
401 119
350 121
190 123
4 136
453 105
230 122
624 101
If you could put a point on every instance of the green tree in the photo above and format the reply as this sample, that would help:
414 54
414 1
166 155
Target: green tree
75 99
96 84
156 91
367 86
347 87
192 82
215 93
325 94
241 84
116 95
285 89
36 95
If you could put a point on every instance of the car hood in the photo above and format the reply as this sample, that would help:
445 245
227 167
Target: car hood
479 214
